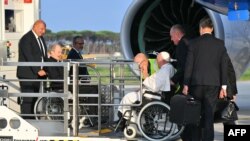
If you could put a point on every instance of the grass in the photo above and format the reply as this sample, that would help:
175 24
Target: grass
105 74
118 73
246 75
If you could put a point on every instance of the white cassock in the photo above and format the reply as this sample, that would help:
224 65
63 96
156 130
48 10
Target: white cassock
157 82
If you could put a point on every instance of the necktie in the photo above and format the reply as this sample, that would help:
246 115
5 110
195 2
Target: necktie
41 46
80 55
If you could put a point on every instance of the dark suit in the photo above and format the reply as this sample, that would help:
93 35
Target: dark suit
55 72
231 88
29 51
180 55
74 54
205 73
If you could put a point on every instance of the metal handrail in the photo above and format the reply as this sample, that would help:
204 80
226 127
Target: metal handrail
113 78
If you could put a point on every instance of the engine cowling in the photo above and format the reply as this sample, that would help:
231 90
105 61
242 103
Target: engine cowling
147 23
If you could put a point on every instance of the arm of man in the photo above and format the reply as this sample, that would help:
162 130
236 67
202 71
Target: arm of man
231 84
188 68
232 77
177 76
26 47
159 81
181 60
224 73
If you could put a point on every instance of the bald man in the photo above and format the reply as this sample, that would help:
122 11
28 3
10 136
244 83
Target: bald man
143 64
32 48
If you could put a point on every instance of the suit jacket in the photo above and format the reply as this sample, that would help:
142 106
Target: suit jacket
29 51
73 54
55 72
180 55
206 62
231 86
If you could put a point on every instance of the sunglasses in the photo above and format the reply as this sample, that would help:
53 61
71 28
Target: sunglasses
80 43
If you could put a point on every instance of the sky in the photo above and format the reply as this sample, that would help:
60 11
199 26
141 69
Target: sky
94 15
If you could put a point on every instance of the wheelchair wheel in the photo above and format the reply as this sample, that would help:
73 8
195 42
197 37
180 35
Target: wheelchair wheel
40 108
54 106
177 132
130 132
153 121
50 107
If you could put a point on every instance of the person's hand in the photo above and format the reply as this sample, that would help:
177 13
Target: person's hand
185 90
144 72
41 73
234 98
223 93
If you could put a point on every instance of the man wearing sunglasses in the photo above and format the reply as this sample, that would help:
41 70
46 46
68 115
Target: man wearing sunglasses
76 53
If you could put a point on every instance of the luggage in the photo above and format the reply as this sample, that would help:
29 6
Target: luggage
184 110
222 113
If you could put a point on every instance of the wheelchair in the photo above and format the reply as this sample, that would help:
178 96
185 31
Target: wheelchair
151 120
51 108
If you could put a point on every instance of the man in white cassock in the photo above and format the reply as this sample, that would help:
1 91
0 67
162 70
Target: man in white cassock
157 83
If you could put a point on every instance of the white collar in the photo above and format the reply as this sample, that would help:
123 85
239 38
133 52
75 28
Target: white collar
76 50
35 34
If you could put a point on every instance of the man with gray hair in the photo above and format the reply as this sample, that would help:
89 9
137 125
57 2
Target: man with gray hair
55 72
157 83
179 39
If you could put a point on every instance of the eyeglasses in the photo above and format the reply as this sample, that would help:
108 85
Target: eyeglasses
80 43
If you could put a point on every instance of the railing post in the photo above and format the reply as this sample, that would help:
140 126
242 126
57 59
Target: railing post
75 99
66 112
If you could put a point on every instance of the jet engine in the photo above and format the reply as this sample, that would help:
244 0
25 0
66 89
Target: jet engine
147 23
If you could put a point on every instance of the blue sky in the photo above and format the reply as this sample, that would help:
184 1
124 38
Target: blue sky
80 15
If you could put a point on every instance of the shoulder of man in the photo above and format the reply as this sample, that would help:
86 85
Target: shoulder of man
220 44
72 54
193 42
185 40
27 37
